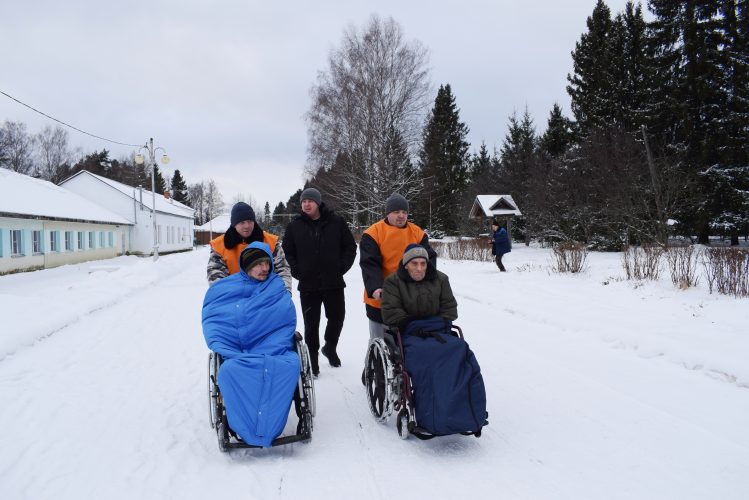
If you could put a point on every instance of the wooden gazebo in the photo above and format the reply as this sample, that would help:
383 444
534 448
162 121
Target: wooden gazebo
500 207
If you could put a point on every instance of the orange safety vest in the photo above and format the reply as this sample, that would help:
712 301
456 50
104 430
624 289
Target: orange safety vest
392 242
231 255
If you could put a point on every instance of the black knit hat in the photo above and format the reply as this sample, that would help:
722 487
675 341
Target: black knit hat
241 212
396 202
252 257
311 194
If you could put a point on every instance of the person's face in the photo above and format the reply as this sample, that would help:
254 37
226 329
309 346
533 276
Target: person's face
245 228
310 208
398 218
495 227
417 268
260 271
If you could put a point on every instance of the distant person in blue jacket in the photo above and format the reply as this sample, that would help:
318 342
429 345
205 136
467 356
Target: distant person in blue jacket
250 320
501 244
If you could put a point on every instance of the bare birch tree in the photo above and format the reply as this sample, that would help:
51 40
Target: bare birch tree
376 85
53 153
16 147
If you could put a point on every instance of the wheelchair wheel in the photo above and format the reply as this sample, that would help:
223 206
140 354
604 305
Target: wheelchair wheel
307 379
402 424
377 372
223 437
213 389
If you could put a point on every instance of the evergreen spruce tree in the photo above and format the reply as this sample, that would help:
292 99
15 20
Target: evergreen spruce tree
690 44
518 160
160 185
630 69
559 135
266 213
443 163
593 88
179 188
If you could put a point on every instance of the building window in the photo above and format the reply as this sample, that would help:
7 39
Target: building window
91 240
101 239
111 239
68 241
54 241
16 248
36 242
80 241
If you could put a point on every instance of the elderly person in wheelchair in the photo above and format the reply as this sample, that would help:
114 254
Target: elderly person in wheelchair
422 368
249 323
417 290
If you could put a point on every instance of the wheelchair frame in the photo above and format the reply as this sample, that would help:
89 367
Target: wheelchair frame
388 384
304 403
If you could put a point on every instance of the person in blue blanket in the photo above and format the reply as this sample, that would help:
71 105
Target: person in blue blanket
250 320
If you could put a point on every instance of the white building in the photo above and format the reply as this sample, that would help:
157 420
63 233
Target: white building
43 225
174 221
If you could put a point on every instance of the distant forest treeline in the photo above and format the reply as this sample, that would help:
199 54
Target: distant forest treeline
659 142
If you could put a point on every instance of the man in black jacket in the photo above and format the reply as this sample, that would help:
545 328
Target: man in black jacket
320 249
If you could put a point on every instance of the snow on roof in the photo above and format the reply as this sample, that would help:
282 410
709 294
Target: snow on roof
489 205
24 195
217 224
169 206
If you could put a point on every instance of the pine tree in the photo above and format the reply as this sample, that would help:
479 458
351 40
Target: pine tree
179 188
443 163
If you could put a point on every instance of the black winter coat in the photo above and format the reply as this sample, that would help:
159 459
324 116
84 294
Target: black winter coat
319 251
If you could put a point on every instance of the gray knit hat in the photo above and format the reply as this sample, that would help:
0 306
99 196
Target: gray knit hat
414 251
396 202
311 194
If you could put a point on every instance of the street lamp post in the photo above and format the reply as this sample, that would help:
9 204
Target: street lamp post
139 159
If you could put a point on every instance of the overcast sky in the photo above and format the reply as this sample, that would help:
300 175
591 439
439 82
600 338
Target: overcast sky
223 86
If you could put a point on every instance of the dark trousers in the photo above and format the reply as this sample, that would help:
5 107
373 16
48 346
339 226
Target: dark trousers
335 312
499 262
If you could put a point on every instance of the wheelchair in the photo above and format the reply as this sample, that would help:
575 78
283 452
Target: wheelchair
388 384
304 403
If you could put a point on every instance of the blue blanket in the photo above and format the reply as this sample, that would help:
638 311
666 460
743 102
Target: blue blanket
251 324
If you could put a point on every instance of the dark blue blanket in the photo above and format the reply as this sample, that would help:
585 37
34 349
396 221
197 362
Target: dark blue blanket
449 393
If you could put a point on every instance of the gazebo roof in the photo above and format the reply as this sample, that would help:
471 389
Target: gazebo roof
491 205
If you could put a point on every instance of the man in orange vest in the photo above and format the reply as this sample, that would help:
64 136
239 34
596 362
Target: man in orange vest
381 248
225 249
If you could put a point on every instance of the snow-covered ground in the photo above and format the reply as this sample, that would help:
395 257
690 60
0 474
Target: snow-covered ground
597 388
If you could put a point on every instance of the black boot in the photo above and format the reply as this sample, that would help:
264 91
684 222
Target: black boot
329 352
315 365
